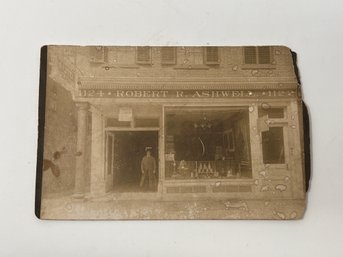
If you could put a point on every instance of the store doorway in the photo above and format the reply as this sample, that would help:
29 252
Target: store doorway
129 148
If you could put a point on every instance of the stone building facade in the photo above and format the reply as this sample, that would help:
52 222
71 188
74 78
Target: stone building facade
223 122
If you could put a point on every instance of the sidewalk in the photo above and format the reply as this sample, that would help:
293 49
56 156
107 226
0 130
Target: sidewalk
111 208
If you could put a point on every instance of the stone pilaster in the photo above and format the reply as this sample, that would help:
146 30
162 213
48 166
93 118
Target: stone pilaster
82 110
98 179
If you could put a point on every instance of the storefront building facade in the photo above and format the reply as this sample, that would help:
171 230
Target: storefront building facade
222 122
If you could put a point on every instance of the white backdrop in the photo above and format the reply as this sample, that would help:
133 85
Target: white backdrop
314 29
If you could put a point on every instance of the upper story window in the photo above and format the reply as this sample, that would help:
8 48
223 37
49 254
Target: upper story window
257 55
212 55
168 55
143 55
98 54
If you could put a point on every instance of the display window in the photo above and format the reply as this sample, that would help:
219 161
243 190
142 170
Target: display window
207 142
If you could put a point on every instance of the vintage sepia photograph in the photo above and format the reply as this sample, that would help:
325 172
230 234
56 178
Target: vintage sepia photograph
140 132
171 128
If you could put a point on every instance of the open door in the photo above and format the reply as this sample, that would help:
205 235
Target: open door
128 150
110 137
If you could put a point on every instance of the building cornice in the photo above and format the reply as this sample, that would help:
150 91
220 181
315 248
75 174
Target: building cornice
158 83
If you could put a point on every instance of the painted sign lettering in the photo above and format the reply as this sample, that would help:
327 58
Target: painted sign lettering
118 93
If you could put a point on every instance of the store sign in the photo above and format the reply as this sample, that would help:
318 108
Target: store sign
117 93
125 114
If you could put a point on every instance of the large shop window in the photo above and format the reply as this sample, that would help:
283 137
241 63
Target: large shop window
207 143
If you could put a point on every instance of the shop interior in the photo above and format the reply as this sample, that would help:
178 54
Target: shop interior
207 143
129 147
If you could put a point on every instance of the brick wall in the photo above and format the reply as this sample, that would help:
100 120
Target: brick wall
60 133
121 62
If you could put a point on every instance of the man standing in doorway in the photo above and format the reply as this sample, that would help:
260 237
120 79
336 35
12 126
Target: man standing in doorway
148 168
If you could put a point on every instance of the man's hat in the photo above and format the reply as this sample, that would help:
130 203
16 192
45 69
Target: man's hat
148 148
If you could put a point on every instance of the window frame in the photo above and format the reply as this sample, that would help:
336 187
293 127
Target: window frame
212 62
104 54
258 65
142 62
212 107
166 62
283 123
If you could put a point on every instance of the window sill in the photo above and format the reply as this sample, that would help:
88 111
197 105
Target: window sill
280 166
231 180
123 66
96 62
213 63
258 67
168 63
191 67
144 63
